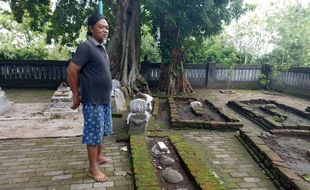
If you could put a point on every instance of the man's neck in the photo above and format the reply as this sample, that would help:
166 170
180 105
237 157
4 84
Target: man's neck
100 42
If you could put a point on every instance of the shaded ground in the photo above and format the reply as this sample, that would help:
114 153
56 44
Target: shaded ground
293 150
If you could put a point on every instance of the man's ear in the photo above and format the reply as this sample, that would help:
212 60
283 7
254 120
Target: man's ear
90 28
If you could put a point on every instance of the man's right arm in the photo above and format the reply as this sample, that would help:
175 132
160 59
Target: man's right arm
73 81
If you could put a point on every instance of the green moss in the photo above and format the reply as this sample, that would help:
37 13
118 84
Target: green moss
156 106
145 173
203 175
121 133
117 114
279 119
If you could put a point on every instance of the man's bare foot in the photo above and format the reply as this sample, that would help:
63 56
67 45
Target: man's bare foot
97 175
103 160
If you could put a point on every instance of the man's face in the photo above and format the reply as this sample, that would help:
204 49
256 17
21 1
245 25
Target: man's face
100 30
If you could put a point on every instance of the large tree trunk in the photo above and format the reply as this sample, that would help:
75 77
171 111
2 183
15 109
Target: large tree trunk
172 77
124 48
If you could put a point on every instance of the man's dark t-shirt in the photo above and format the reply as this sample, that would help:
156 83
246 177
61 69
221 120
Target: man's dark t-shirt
95 76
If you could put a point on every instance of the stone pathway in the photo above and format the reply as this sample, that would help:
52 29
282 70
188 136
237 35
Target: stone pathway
226 156
59 164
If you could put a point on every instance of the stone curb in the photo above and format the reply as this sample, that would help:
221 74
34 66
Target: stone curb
232 124
291 132
271 163
155 107
268 123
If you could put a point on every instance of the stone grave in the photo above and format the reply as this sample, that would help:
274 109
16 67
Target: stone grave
170 169
61 102
191 113
273 116
5 104
118 101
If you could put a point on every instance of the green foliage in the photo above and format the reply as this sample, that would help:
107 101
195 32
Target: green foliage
292 26
19 42
179 20
58 52
67 20
38 11
264 81
276 69
64 23
271 83
194 18
196 50
215 48
222 53
26 53
149 46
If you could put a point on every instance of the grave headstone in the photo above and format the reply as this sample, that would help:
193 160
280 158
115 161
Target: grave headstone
61 102
118 102
196 107
138 116
149 100
5 104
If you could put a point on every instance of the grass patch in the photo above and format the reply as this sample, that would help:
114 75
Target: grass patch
29 95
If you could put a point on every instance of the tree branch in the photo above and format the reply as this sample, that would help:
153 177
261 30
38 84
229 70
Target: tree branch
112 5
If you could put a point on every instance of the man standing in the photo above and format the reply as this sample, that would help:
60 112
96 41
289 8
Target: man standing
89 69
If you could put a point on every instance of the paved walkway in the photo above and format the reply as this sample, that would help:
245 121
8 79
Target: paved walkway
59 163
224 154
